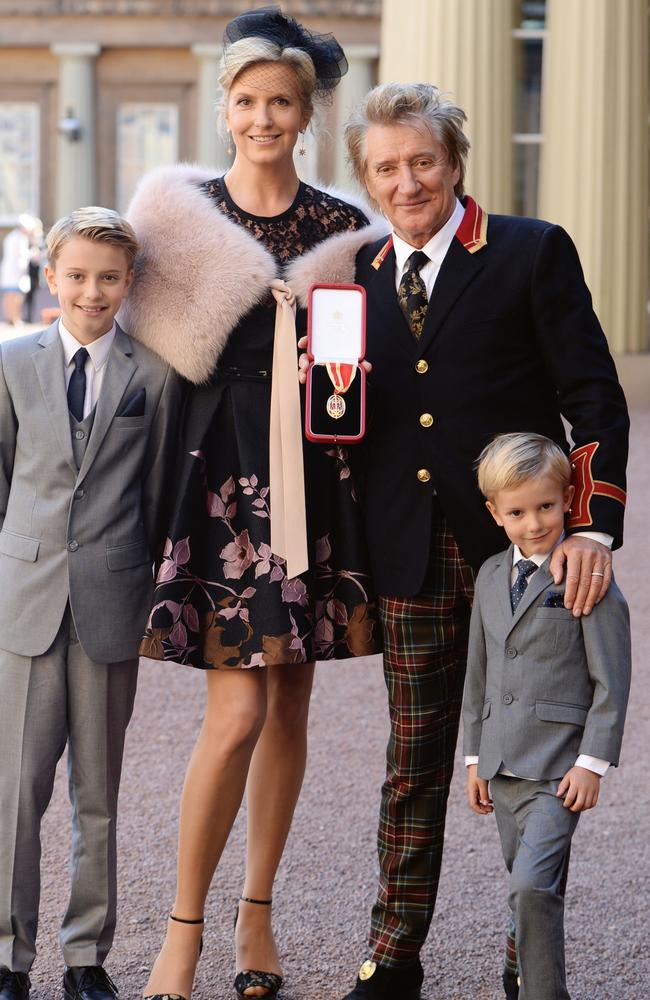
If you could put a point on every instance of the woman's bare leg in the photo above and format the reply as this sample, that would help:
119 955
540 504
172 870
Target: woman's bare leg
274 782
212 793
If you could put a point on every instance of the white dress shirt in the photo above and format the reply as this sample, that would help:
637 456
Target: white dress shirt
436 250
584 760
95 366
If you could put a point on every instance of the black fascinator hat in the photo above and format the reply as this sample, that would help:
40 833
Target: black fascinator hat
272 25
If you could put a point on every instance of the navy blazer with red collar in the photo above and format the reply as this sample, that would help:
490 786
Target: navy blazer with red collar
510 343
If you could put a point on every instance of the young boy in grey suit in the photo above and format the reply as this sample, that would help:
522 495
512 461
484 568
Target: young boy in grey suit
87 418
545 698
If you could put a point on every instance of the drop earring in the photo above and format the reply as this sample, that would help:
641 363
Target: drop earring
229 148
302 151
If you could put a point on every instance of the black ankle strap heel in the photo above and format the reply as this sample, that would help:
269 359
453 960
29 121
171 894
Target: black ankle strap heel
268 981
177 996
182 920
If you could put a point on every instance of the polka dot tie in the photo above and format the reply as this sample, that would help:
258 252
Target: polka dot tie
412 293
525 568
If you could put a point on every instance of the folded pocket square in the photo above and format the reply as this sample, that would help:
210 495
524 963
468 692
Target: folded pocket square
554 599
134 407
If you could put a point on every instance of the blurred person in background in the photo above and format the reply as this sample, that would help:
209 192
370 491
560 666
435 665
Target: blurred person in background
14 270
36 257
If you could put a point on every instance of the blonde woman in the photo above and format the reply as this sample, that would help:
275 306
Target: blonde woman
226 602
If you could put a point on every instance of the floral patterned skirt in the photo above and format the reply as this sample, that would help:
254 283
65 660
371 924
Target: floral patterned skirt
223 599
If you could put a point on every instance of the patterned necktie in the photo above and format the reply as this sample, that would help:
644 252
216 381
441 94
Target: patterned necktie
412 293
77 385
524 569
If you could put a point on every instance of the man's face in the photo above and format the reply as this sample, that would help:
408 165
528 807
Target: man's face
409 176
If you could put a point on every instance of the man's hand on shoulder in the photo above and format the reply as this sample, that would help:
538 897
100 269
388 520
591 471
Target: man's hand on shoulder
588 567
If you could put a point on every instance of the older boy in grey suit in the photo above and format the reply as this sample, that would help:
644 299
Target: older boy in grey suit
86 424
545 698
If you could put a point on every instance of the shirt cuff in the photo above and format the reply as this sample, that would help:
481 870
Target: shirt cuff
594 764
598 536
471 760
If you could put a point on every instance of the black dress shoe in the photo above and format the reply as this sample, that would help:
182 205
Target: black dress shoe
511 985
13 985
88 982
378 982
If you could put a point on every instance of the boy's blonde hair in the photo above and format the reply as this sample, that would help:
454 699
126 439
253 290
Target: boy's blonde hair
101 225
510 459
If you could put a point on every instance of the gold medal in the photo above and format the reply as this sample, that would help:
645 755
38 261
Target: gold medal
341 377
335 406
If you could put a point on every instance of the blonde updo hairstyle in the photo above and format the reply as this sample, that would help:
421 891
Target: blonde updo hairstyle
253 51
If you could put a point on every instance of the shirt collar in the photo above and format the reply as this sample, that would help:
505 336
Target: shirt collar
98 350
538 558
437 246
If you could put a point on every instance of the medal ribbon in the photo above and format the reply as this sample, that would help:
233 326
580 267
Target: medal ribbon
341 375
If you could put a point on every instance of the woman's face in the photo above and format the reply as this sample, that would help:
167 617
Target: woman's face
264 112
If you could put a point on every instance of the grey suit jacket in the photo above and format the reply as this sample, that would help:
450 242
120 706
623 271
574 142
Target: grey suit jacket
543 686
87 535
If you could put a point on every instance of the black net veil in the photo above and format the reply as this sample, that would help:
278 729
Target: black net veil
272 25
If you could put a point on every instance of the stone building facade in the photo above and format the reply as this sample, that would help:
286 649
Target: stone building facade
95 92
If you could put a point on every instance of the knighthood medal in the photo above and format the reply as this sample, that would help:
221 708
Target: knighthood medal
341 376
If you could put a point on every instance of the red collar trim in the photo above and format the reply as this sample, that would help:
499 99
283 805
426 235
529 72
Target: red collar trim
381 256
472 231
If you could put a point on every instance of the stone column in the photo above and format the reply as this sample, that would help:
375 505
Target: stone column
210 143
594 171
76 173
466 49
359 79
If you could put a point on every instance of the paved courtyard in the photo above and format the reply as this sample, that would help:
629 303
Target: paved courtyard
327 880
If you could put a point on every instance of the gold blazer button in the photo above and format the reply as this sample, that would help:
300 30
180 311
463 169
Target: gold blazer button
424 475
426 419
422 367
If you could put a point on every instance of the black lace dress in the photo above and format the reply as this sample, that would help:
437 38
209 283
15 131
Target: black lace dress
223 599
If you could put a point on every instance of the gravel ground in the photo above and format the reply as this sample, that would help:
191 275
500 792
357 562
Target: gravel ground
327 880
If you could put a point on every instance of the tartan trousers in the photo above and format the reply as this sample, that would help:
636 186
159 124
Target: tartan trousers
425 651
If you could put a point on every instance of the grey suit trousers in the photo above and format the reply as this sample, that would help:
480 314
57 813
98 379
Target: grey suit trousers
535 831
45 702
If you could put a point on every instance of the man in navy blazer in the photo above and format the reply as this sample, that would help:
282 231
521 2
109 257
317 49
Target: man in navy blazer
475 326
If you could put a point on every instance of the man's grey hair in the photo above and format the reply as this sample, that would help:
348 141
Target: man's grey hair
408 104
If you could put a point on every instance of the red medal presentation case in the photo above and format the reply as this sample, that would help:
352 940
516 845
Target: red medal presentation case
336 381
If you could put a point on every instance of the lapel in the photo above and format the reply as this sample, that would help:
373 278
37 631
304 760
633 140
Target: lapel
461 265
49 363
501 588
381 286
119 372
539 581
